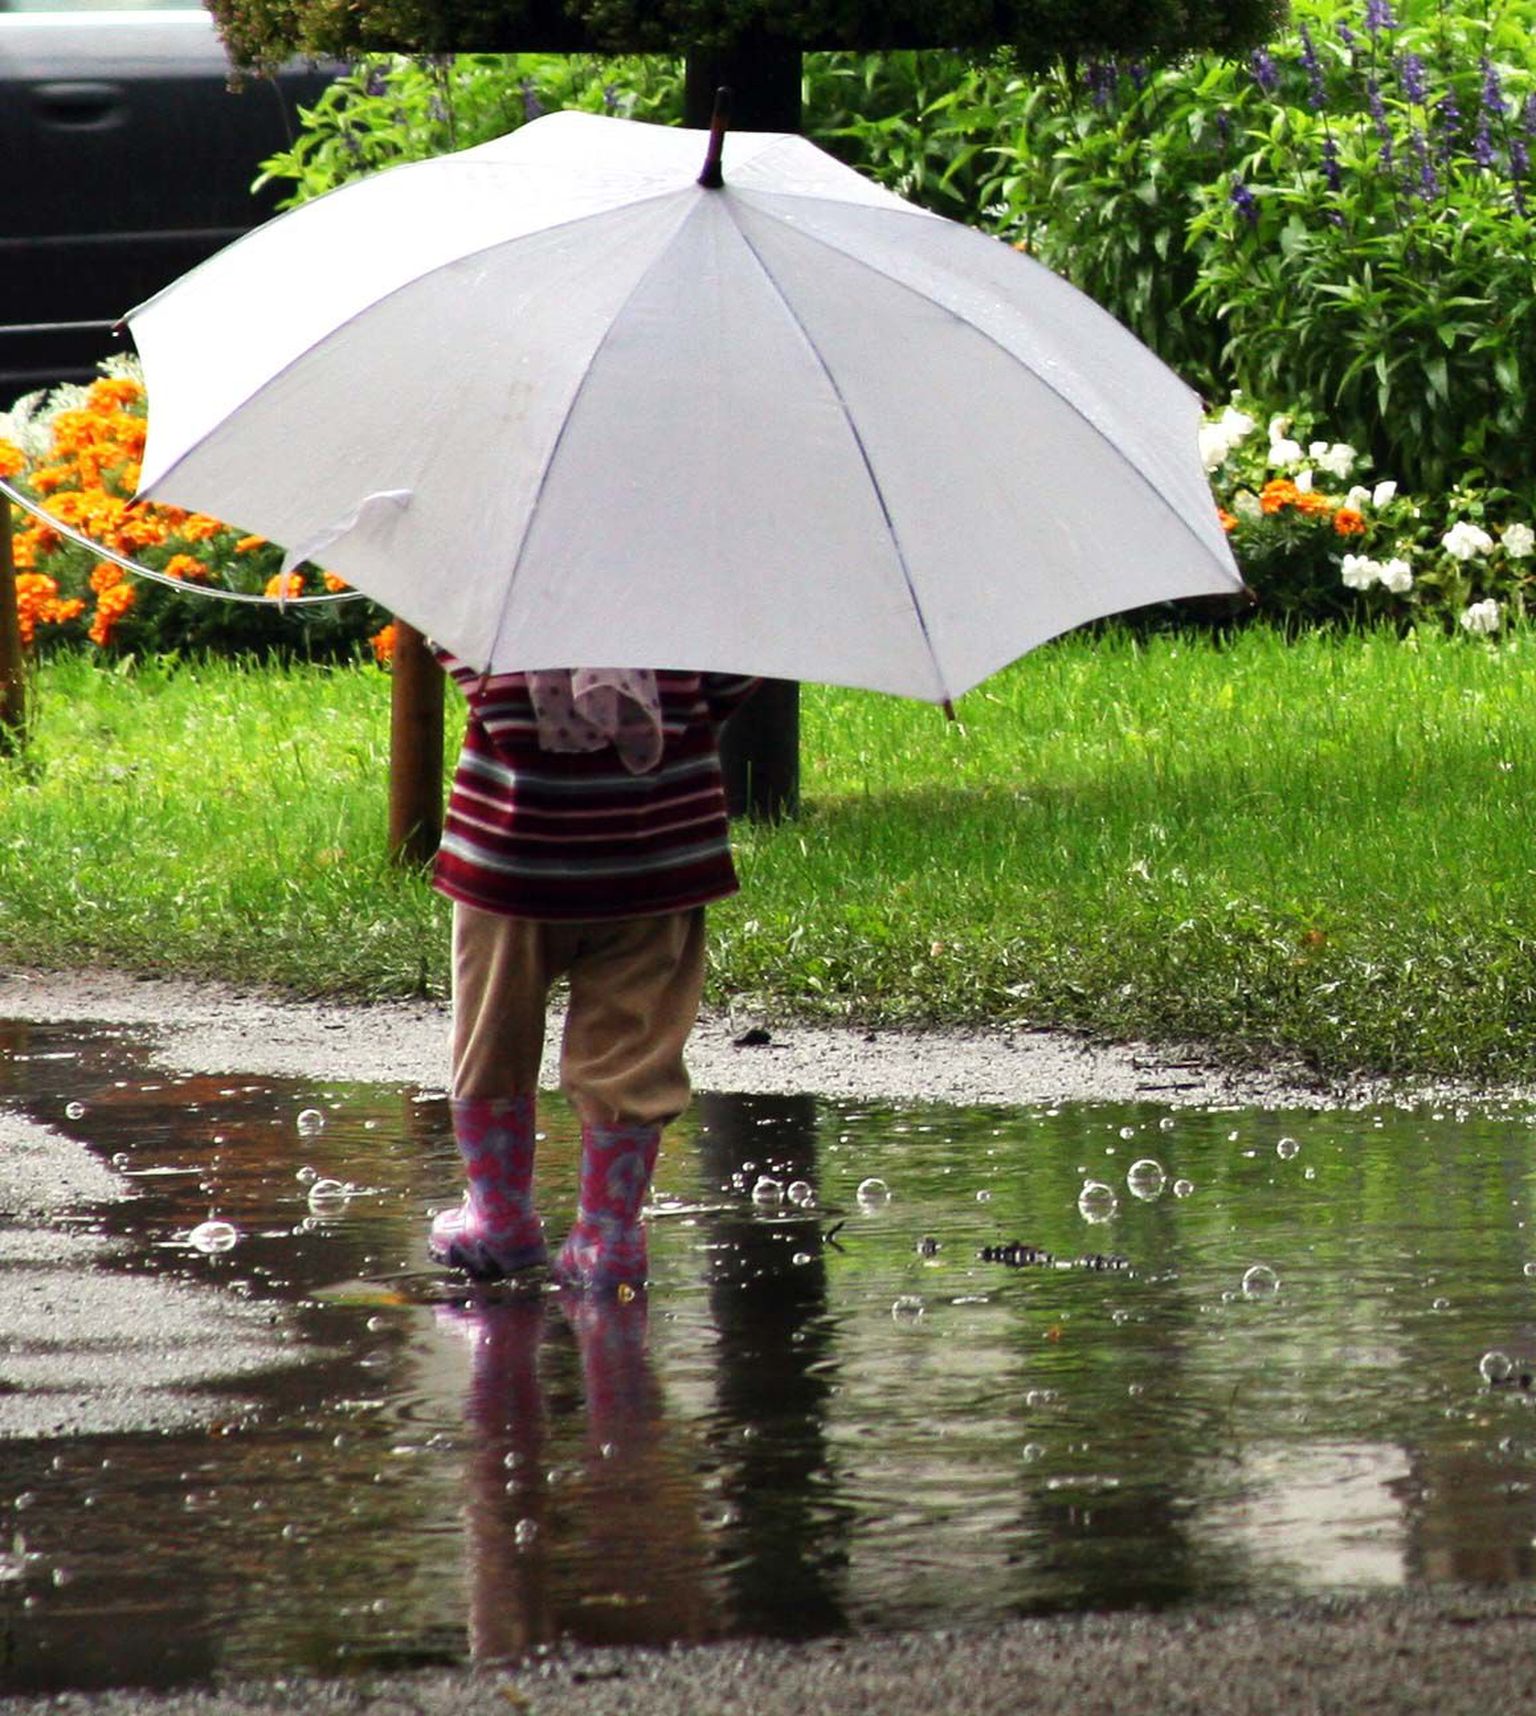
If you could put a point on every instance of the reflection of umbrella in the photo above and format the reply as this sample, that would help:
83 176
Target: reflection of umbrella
558 399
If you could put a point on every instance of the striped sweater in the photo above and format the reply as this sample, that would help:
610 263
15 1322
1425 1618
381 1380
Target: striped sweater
531 833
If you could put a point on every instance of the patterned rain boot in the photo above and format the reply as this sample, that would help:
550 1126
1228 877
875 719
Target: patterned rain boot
495 1231
606 1247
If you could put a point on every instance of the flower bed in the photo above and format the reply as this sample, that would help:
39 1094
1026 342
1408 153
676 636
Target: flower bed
76 452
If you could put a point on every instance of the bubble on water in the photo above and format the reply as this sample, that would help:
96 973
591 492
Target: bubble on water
1167 1123
1440 1305
1146 1179
1495 1366
121 1159
1183 1188
327 1195
1096 1202
1127 1131
873 1192
801 1193
310 1120
307 1176
1039 1396
908 1308
214 1236
1287 1148
1530 1269
801 1258
1260 1282
983 1197
1031 1451
1309 1173
524 1532
768 1191
74 1110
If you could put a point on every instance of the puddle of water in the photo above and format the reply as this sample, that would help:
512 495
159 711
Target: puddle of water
1251 1365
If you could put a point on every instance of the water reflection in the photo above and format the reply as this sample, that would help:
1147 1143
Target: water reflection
940 1406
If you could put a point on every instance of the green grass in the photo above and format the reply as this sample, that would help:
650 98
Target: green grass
1321 847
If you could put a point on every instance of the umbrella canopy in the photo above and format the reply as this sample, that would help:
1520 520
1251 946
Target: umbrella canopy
554 401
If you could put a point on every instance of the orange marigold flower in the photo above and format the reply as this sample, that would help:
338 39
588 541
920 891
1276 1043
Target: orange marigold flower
114 390
185 566
336 585
285 586
1278 494
1228 519
1348 522
46 478
105 577
198 527
111 605
384 645
247 544
12 460
1313 504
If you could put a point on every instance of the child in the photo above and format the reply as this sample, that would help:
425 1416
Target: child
585 833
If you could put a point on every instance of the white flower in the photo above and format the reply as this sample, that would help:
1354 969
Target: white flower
1384 493
1246 504
1464 541
1397 576
1359 498
1481 618
1303 480
1519 541
1337 460
1358 571
1283 452
1219 438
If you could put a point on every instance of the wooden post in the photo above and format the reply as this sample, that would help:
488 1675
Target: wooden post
13 667
415 749
760 749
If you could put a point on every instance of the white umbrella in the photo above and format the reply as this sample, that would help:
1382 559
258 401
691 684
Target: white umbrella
557 400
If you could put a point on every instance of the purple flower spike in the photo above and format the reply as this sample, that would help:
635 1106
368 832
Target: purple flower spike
1261 63
1378 16
1317 87
1244 202
1410 74
1492 91
1331 173
1346 35
1482 144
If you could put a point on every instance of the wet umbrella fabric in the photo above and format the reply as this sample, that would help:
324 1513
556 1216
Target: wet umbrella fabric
553 401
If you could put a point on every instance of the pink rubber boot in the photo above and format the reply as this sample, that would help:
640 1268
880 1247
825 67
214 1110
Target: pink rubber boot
606 1247
495 1231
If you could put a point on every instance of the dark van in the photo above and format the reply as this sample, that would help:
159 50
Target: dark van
125 158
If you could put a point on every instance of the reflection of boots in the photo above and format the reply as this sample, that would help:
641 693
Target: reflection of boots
496 1229
606 1247
615 1368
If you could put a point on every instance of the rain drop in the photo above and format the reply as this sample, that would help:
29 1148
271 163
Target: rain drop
1260 1282
1146 1179
1096 1202
327 1195
1495 1366
214 1236
873 1192
311 1120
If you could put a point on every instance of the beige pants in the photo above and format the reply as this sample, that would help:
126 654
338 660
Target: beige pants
635 985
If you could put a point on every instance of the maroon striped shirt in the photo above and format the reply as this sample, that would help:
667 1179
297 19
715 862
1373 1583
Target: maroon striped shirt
531 833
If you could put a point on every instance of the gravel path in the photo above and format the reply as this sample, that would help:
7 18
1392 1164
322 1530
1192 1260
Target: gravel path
214 1028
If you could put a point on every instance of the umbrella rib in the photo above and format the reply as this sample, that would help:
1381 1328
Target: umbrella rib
864 455
860 262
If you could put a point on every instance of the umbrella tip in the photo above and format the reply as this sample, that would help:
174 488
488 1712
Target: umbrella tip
712 178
